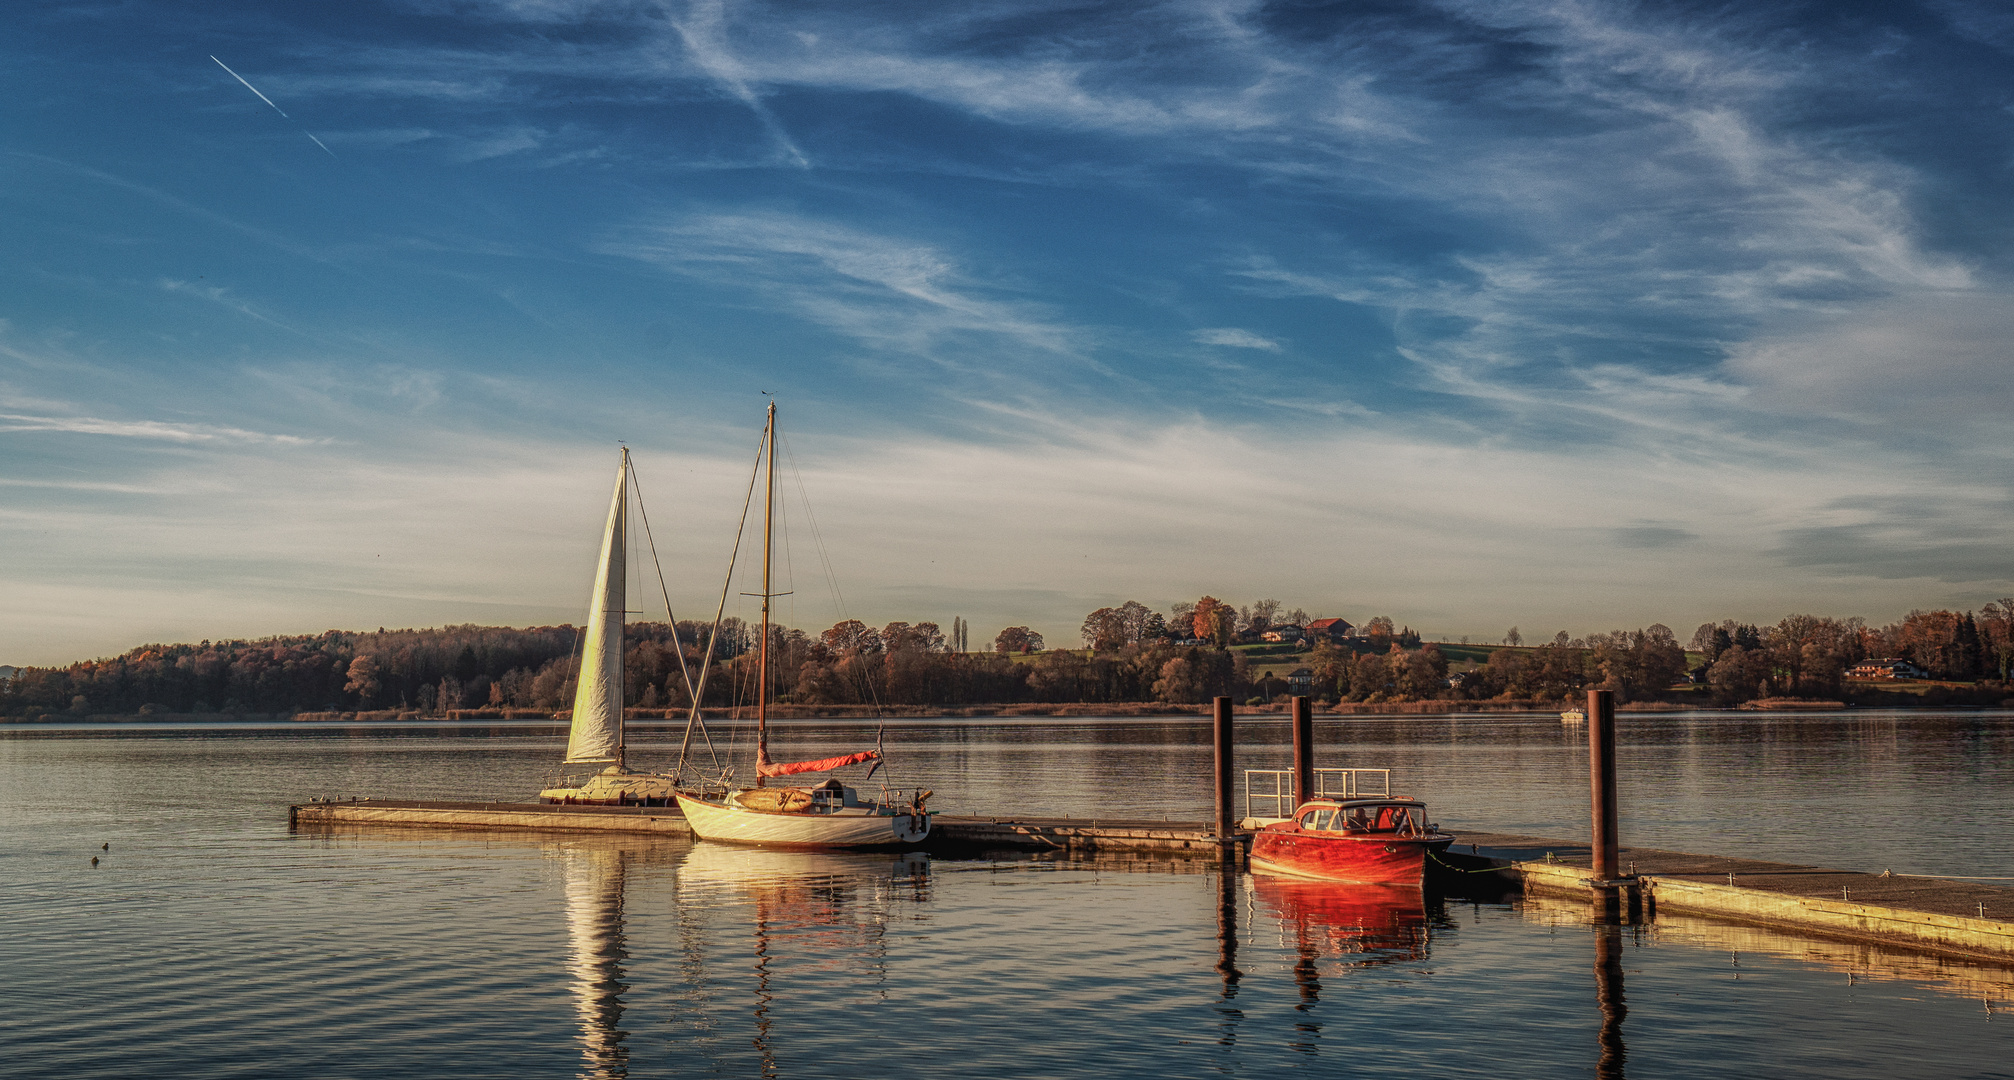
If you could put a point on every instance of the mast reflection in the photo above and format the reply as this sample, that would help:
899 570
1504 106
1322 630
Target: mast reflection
812 913
594 888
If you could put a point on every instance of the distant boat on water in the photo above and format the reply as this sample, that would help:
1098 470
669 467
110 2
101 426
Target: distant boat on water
1573 716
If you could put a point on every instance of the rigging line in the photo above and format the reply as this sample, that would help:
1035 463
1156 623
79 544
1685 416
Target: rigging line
817 536
825 561
663 590
712 639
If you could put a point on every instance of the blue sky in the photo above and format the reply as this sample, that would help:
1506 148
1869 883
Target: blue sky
1568 316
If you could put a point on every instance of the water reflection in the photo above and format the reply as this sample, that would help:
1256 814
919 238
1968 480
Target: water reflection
1609 996
814 916
1981 981
594 895
1365 924
1227 924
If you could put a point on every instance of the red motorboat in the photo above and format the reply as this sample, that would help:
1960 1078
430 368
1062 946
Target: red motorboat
1381 841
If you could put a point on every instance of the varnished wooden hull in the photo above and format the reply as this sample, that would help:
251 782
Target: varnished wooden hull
1372 859
713 820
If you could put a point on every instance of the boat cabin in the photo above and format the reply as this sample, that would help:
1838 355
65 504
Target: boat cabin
1395 816
830 796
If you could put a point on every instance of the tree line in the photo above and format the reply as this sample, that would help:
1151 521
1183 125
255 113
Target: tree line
1133 654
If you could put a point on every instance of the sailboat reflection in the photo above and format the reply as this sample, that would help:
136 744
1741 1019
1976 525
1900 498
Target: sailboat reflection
594 884
815 913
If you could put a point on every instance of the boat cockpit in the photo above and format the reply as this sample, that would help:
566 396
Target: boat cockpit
1366 817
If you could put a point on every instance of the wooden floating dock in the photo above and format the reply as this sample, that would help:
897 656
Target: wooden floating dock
1937 915
1953 918
947 832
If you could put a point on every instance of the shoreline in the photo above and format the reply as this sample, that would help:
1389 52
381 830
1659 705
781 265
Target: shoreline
1017 711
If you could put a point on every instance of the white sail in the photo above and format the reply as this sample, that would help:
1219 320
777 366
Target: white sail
597 702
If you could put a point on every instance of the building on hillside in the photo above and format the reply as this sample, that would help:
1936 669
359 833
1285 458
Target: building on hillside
1283 633
1301 680
1333 629
1887 667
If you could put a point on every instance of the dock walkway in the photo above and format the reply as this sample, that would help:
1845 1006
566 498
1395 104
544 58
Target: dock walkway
947 831
1962 918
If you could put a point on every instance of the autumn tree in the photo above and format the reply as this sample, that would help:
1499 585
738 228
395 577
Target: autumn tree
1197 676
1996 634
1017 639
851 636
1634 663
1739 675
921 637
1213 620
1421 674
363 679
1370 678
1104 630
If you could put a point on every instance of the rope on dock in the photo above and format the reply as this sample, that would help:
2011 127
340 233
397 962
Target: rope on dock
1436 856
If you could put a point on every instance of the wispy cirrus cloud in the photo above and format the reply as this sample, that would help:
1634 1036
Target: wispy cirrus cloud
163 430
892 292
1235 338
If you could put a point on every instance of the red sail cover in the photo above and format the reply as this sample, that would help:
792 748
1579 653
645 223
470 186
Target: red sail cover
764 767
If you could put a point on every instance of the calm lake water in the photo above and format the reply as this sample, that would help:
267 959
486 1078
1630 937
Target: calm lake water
209 941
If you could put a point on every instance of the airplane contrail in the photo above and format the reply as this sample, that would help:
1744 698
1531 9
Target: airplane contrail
262 97
319 143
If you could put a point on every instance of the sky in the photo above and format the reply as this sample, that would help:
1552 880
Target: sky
1558 315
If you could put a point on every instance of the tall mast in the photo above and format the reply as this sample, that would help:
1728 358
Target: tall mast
768 532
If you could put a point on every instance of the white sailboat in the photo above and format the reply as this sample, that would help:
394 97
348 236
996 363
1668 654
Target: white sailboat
829 815
594 770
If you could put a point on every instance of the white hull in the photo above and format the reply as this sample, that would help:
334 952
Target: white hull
715 821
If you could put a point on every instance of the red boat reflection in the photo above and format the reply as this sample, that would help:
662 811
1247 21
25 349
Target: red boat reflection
1369 923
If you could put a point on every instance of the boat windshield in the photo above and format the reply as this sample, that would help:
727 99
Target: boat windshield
1405 819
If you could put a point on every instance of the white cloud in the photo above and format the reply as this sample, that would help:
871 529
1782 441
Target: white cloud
144 429
1927 358
1236 339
